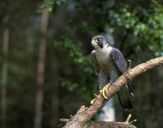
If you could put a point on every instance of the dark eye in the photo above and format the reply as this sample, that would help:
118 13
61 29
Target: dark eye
99 39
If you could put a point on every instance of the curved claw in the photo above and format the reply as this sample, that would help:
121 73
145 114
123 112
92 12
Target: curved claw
129 64
92 101
104 91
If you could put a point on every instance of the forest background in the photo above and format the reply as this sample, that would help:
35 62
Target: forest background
46 73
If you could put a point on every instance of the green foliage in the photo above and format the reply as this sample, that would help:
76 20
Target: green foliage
78 57
75 55
72 87
147 26
50 4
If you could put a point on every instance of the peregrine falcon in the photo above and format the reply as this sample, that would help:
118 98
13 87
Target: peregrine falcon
109 62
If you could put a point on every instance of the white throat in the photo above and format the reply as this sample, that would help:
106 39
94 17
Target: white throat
103 53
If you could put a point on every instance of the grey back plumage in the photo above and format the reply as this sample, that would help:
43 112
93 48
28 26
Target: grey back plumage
110 65
119 60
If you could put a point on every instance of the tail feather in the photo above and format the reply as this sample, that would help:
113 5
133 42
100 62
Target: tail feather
124 96
129 90
125 103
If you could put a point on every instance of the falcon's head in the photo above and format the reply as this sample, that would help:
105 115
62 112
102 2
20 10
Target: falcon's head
99 41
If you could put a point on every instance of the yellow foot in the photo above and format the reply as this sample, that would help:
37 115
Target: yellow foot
129 64
130 122
92 101
104 91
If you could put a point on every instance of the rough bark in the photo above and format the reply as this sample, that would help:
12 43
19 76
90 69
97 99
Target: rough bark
84 114
103 124
41 69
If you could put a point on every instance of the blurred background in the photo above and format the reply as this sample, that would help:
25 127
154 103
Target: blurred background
45 70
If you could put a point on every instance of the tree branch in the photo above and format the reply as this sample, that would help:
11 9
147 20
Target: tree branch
103 124
84 114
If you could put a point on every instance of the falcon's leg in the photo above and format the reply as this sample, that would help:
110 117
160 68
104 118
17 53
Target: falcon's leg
102 82
113 76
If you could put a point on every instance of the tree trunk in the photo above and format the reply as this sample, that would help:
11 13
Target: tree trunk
55 100
41 69
4 76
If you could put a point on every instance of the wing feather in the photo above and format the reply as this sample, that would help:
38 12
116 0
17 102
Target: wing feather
119 60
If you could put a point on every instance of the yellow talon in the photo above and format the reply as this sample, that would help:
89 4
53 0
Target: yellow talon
92 101
103 91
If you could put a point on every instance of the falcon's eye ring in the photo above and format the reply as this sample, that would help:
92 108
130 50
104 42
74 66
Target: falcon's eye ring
98 39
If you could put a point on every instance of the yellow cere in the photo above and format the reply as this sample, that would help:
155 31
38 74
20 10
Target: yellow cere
94 42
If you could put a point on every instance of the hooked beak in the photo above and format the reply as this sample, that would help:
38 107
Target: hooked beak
94 42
